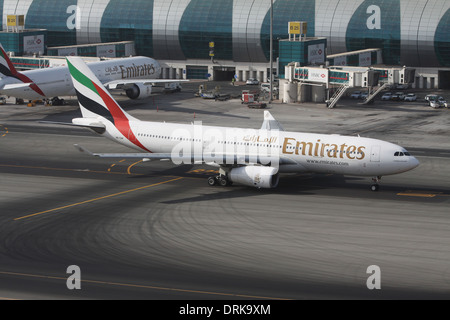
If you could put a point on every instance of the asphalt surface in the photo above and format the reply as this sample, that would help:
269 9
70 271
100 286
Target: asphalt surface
156 231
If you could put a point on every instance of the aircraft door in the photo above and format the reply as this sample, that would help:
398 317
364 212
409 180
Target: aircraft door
375 154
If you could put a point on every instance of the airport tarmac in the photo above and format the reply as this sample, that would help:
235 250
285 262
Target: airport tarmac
157 231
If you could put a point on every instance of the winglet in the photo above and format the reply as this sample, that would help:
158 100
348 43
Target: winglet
270 123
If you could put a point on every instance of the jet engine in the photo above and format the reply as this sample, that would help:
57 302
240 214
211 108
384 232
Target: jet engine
255 176
139 91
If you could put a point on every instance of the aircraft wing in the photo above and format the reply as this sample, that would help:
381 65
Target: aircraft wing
125 84
227 159
270 123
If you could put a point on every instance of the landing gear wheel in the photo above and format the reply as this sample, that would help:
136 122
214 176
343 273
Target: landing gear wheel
375 187
223 181
212 181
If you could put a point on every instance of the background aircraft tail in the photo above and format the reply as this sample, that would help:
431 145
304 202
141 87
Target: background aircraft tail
6 67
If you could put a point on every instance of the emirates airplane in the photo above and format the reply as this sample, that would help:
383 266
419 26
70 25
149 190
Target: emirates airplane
135 75
250 157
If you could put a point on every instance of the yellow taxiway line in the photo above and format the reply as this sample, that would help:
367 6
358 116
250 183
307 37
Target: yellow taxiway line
115 164
5 129
62 169
423 194
131 166
143 286
96 199
420 195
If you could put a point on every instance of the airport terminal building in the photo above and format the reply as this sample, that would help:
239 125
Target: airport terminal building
180 32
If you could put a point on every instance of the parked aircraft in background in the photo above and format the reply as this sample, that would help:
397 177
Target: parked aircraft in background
250 157
135 75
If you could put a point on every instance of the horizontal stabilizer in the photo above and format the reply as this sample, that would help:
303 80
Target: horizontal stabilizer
97 127
150 156
16 86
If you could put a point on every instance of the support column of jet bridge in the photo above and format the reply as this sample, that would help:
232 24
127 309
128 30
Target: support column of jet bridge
315 84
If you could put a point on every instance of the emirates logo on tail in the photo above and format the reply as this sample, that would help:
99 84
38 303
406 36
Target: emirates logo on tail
93 97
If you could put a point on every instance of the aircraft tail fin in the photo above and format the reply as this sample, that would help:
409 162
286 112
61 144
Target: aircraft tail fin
7 69
6 66
93 98
97 103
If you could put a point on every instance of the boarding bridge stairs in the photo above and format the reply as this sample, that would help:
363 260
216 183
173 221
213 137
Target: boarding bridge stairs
375 93
337 95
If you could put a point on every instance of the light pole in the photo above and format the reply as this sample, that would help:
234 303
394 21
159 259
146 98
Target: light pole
271 51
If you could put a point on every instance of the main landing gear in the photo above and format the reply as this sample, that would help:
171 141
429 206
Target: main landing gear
219 180
375 187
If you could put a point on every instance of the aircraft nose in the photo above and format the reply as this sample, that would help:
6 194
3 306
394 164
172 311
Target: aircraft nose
413 162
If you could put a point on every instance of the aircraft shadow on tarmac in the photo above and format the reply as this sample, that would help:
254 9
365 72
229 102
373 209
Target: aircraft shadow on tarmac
305 185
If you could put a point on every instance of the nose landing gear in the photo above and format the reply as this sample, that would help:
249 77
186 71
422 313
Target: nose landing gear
375 187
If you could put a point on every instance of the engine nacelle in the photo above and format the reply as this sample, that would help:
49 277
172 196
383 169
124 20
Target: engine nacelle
139 91
255 176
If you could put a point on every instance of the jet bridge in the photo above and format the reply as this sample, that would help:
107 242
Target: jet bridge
375 79
342 78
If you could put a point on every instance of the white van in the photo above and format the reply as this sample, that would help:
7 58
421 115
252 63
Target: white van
265 87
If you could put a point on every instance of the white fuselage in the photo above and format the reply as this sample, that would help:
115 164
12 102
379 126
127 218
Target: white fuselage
294 151
57 82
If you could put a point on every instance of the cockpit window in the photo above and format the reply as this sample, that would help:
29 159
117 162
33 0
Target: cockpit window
402 154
